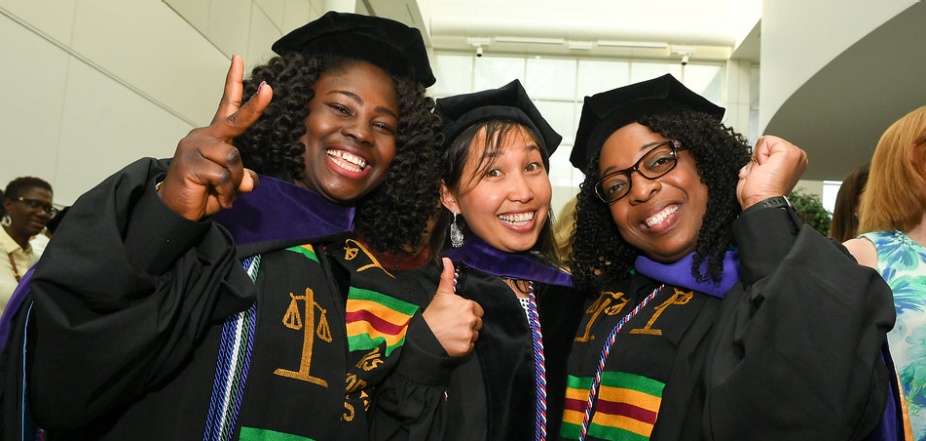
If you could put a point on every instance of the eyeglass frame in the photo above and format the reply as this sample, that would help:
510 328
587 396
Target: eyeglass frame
38 205
599 189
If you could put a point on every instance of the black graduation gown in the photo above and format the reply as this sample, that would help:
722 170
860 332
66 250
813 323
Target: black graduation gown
131 303
791 352
490 393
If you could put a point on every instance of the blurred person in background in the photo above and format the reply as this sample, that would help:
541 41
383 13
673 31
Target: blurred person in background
893 225
844 225
564 228
27 208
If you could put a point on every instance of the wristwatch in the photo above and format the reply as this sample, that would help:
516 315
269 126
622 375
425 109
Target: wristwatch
772 202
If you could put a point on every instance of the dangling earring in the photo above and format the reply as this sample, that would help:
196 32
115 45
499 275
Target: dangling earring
6 221
456 236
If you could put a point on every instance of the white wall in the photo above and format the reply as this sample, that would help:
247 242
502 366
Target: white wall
90 85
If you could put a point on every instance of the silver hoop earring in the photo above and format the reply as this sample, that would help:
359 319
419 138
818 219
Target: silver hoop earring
6 221
456 236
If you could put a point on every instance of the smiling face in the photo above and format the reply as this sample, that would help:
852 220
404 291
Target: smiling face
508 202
350 132
662 216
25 220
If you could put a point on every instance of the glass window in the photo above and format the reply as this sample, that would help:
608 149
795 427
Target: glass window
562 173
454 75
560 115
830 190
495 72
705 80
599 76
642 71
549 78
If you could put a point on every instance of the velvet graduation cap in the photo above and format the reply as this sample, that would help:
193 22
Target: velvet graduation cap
509 102
604 113
391 45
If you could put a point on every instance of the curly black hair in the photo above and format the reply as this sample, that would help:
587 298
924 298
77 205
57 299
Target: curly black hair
453 159
391 218
601 256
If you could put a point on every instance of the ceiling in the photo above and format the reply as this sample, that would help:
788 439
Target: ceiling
702 29
838 114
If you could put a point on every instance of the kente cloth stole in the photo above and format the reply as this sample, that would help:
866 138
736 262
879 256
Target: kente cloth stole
231 369
377 315
627 407
255 218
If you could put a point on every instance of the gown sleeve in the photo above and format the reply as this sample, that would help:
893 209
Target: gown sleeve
796 354
409 405
123 295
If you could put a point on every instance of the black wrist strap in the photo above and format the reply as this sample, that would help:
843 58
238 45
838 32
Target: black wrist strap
772 202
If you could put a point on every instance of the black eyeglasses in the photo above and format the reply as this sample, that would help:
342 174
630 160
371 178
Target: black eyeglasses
35 205
655 163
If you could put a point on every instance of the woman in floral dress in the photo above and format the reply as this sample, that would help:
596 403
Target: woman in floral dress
893 217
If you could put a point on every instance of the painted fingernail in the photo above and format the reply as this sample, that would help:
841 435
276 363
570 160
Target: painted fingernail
261 86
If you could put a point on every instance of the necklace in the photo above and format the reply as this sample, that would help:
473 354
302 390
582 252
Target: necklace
605 352
15 269
540 367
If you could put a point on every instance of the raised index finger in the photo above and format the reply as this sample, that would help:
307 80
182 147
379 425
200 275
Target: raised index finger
231 97
232 118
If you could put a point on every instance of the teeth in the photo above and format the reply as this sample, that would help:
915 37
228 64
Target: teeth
347 160
517 219
661 216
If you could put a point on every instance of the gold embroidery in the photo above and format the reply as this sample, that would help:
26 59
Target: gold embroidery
349 412
354 384
603 304
351 253
292 319
308 341
365 397
324 330
679 298
371 361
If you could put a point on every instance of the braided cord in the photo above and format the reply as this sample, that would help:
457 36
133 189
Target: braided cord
234 359
605 352
540 367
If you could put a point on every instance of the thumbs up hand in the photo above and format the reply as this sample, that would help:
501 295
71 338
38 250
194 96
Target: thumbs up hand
454 320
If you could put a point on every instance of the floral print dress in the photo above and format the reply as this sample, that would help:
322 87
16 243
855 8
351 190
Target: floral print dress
902 263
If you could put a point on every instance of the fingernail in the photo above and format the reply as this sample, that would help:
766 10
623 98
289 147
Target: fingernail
260 86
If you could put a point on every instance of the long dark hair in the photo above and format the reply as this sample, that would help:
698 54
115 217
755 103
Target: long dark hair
393 216
601 256
844 225
452 161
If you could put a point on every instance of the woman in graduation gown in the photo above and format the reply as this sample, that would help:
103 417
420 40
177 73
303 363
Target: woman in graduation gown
147 325
715 315
496 233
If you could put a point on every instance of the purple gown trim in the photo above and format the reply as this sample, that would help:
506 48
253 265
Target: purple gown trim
278 210
678 273
479 255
